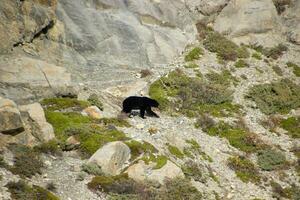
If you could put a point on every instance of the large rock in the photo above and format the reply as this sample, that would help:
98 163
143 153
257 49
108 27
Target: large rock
291 20
207 7
142 172
10 118
248 21
43 131
111 157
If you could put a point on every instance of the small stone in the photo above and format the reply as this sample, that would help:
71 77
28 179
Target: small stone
48 163
92 111
140 126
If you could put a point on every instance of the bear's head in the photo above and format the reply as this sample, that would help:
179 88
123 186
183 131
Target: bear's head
154 103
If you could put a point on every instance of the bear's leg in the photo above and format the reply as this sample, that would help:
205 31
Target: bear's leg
151 113
142 113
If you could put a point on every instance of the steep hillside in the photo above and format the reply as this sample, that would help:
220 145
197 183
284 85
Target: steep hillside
226 74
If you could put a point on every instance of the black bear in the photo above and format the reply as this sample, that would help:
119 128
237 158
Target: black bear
141 103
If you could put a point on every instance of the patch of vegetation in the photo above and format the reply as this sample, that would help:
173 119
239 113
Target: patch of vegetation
192 170
292 192
175 151
191 65
277 70
22 191
51 147
296 68
204 122
257 56
223 78
53 104
272 122
281 5
224 48
237 137
27 162
275 52
277 97
160 160
194 54
95 101
244 169
270 159
138 148
241 63
114 121
145 73
194 150
3 164
92 168
178 93
292 125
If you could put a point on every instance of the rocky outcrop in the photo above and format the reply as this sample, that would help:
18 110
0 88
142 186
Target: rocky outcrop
247 21
207 7
291 20
43 131
10 118
111 157
143 172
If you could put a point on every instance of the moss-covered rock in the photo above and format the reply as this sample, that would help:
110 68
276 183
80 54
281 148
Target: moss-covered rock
270 159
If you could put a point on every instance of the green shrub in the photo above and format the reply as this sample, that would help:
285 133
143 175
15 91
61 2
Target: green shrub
204 122
192 170
257 56
244 169
225 49
178 93
241 64
270 159
92 168
277 70
237 137
21 191
224 78
27 162
296 68
191 65
94 101
277 97
175 151
138 148
53 104
194 54
51 147
160 160
275 52
292 192
145 72
292 125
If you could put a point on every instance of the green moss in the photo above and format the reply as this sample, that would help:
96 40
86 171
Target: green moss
114 121
27 162
21 191
53 104
241 64
92 168
244 169
292 125
277 70
237 137
194 54
277 97
52 147
138 148
225 49
175 151
257 56
63 121
95 101
296 68
270 159
191 65
178 93
160 160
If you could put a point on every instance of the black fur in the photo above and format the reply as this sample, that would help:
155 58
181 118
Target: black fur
141 103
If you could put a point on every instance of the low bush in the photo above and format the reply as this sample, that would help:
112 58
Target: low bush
22 191
257 56
27 162
52 147
204 122
241 64
145 73
275 52
281 5
194 54
292 192
137 148
193 170
244 169
191 65
277 70
277 97
224 48
95 101
92 168
272 122
296 68
292 125
270 159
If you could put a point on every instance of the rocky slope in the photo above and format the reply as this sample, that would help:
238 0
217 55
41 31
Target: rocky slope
229 118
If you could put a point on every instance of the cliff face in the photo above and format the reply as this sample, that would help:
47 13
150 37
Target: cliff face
101 43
